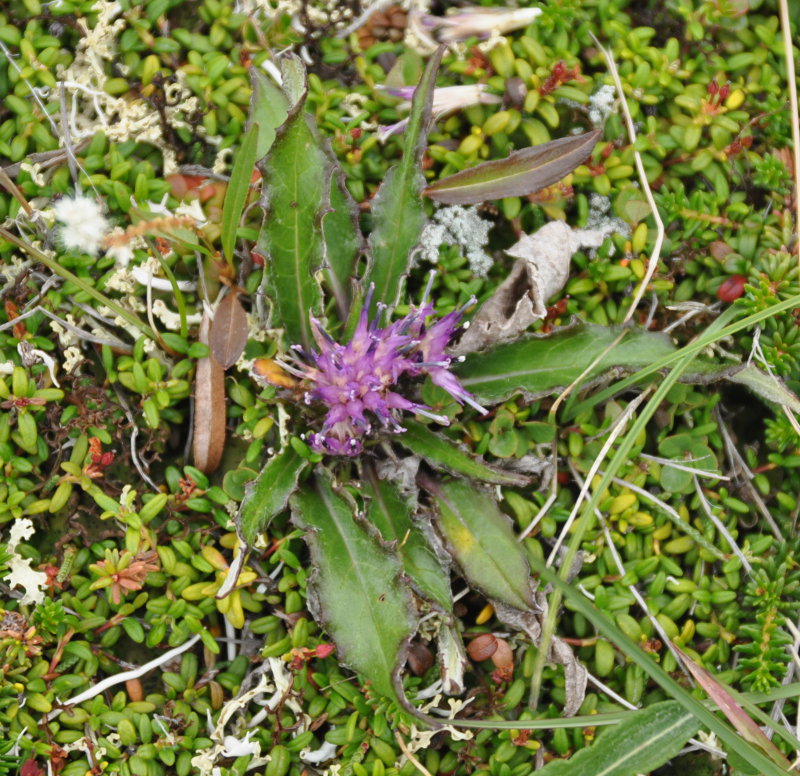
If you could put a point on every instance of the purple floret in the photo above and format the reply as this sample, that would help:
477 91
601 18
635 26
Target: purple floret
357 381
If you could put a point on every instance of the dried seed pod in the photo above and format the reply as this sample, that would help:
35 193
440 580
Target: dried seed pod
503 659
483 647
134 689
420 658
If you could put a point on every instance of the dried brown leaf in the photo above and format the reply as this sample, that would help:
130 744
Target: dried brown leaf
209 408
228 335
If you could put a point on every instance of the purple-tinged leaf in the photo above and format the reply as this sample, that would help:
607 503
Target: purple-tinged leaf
519 174
736 715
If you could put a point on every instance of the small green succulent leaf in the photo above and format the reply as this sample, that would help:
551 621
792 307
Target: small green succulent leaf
444 454
642 742
237 191
391 514
519 174
296 192
479 538
397 208
268 494
355 590
537 366
343 241
269 108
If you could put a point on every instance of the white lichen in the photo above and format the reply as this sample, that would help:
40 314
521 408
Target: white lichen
82 223
600 224
20 574
120 118
72 358
601 104
460 226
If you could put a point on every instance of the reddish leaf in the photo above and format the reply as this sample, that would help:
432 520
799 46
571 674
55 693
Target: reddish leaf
209 408
736 715
519 174
228 331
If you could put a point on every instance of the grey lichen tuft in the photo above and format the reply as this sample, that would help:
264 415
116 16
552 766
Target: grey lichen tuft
460 226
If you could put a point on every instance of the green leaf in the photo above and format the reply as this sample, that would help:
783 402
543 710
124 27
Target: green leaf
391 515
519 174
237 191
397 208
268 494
268 110
766 387
644 741
479 537
537 366
343 241
296 173
355 590
444 454
634 653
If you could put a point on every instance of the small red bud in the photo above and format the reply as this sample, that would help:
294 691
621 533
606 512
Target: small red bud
323 650
713 87
732 288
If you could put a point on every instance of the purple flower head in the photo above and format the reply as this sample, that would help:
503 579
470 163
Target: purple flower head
358 382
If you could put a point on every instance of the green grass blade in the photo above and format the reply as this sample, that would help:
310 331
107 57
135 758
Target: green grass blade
237 191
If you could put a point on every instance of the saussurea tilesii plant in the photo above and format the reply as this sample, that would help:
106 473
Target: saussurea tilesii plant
357 379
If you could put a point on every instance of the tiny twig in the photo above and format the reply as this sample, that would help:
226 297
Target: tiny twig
124 676
655 255
411 758
791 86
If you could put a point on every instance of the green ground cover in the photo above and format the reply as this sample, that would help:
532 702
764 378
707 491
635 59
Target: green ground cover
644 447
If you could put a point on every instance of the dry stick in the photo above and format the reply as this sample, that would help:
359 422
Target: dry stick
791 87
551 417
655 255
15 192
410 755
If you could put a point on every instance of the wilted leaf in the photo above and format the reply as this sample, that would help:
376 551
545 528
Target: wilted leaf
355 590
539 365
642 742
736 715
268 494
228 331
443 454
209 408
519 174
541 271
397 207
